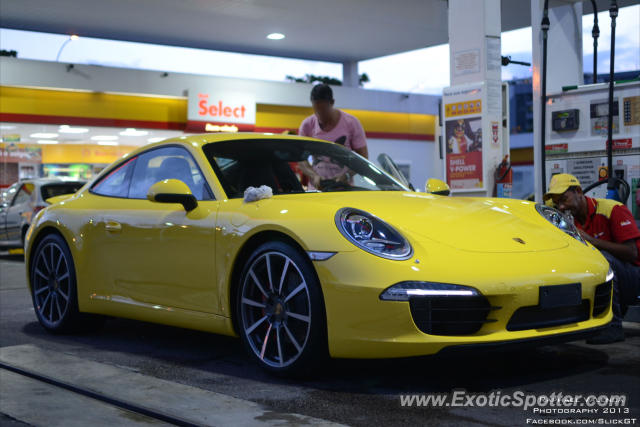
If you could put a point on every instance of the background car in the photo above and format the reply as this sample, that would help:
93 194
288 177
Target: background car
218 233
22 200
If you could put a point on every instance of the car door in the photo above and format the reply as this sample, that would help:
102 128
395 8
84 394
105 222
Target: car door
4 207
6 197
19 208
158 253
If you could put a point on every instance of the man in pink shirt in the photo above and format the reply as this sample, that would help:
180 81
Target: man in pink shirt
333 125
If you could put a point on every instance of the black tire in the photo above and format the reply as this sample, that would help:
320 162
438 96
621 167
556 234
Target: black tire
265 309
54 288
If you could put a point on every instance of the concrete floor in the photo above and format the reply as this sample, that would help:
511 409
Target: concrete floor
345 391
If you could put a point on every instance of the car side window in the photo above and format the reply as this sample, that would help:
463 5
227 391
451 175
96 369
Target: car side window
168 163
116 183
23 195
7 194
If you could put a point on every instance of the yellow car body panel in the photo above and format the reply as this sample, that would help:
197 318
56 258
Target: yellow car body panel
56 199
156 262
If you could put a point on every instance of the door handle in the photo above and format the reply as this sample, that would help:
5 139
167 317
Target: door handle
113 226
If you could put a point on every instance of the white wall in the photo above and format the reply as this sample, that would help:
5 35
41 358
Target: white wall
22 72
419 154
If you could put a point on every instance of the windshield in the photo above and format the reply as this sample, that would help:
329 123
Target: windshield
293 166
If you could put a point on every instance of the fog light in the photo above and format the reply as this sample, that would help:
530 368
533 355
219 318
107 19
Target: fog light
403 290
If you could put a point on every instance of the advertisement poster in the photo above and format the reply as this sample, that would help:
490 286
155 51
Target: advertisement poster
464 153
11 152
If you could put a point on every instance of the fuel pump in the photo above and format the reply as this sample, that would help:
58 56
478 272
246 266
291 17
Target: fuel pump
594 130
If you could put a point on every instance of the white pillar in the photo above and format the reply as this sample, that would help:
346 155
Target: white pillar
475 96
474 41
564 63
350 76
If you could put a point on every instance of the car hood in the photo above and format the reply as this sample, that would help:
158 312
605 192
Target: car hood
466 223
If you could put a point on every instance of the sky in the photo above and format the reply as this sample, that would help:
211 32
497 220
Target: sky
427 70
419 71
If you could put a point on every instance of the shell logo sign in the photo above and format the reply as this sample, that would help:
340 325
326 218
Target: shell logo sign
221 110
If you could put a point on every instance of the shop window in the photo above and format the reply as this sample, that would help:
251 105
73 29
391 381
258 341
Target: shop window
167 163
116 183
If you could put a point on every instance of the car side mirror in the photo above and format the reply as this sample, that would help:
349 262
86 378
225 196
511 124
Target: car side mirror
172 191
437 186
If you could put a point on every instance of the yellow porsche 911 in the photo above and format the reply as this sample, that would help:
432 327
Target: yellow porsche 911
305 249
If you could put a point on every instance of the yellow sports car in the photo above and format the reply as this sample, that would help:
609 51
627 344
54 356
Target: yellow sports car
305 249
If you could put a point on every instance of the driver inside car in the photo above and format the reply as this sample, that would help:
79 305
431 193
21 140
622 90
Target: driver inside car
327 172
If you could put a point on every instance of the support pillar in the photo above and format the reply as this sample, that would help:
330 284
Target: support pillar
350 77
472 136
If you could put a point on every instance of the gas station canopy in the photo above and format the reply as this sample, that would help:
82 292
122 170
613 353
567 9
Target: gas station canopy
327 30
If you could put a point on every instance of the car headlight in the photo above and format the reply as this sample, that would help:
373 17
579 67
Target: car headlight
404 290
372 234
556 218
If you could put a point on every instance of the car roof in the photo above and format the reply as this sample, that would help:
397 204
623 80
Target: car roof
208 138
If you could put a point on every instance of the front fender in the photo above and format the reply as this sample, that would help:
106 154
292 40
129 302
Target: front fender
44 223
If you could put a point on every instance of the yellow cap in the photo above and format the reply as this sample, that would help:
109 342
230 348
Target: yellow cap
561 183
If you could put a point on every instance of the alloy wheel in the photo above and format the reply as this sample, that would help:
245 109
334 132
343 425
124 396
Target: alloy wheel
275 307
51 284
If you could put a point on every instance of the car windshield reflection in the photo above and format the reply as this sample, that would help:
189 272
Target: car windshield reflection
294 166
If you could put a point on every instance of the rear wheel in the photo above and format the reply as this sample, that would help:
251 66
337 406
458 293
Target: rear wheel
53 288
280 310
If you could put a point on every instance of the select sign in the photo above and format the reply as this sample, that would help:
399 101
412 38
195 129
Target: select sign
221 107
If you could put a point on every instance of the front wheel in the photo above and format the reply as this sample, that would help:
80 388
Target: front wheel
280 310
53 288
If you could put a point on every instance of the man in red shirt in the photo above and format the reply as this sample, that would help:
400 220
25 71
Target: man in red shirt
609 226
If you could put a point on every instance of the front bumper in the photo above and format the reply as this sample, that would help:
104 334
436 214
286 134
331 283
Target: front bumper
360 325
520 344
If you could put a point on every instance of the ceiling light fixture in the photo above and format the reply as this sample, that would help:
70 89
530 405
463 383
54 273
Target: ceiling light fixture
275 36
133 132
39 135
104 138
69 129
107 142
72 38
47 141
